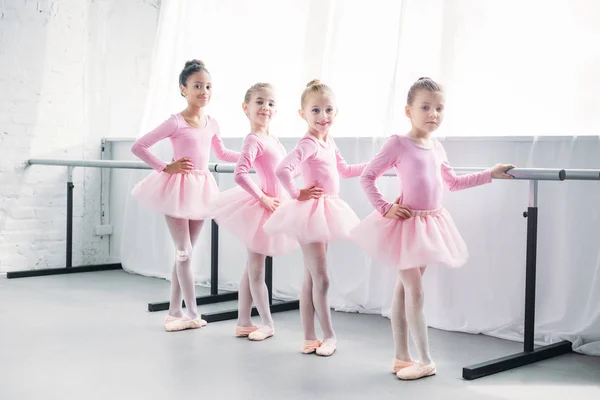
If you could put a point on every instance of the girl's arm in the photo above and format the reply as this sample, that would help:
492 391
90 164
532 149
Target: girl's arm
141 146
252 148
285 171
461 182
345 170
388 156
219 148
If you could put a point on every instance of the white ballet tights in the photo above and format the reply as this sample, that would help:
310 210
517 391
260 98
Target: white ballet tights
184 233
408 313
314 292
253 288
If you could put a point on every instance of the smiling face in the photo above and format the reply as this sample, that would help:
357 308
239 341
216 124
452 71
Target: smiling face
319 112
426 112
262 106
198 89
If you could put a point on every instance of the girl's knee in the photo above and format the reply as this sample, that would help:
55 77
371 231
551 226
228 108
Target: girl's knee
256 275
321 261
307 283
417 295
321 283
411 283
400 287
182 255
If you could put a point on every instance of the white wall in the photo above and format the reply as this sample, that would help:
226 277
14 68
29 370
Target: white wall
71 72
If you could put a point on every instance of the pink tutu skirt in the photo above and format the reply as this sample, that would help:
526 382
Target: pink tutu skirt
429 237
241 214
178 195
317 220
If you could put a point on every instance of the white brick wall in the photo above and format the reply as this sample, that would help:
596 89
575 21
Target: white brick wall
71 72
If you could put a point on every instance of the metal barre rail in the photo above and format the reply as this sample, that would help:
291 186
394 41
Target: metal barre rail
540 174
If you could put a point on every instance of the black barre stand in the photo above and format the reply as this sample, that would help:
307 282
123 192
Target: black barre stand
69 269
529 354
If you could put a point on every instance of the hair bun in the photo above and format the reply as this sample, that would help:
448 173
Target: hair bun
424 78
194 62
313 82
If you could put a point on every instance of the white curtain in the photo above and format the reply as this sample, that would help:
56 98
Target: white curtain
515 67
509 68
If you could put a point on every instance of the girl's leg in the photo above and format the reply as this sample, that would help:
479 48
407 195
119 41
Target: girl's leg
307 308
176 296
400 328
307 312
260 295
244 323
195 229
316 255
180 232
415 316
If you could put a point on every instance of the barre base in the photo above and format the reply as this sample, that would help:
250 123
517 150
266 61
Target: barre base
62 271
516 360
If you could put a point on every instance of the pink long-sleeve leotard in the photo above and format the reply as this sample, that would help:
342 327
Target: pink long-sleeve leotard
314 220
421 172
194 143
430 237
239 211
319 163
263 153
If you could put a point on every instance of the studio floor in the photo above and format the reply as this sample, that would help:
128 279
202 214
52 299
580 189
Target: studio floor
90 336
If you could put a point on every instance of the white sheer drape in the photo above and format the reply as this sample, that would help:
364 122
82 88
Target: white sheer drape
508 69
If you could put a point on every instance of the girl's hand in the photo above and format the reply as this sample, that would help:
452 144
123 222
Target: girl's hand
499 171
270 203
181 166
312 192
398 211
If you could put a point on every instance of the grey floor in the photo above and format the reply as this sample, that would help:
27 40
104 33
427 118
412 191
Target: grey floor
89 336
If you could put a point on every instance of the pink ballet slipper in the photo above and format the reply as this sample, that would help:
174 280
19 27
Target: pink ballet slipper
327 348
400 364
170 319
244 331
416 371
262 333
310 346
185 322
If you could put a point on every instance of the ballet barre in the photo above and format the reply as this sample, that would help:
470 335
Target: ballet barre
530 353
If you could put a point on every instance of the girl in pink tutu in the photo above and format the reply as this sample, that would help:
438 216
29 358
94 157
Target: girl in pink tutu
415 230
316 215
244 210
184 189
